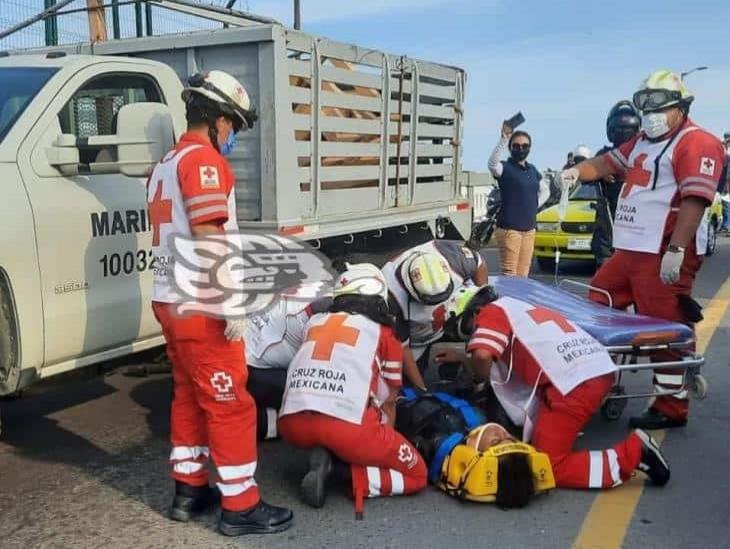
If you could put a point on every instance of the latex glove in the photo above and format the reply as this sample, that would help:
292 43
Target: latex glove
671 263
567 179
234 329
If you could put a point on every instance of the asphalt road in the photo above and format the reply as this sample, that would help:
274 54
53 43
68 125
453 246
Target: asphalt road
83 464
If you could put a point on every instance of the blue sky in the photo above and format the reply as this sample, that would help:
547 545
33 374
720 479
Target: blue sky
563 63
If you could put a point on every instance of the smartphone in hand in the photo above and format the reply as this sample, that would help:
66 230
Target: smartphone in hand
515 121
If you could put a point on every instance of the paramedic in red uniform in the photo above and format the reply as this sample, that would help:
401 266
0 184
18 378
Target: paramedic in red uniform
340 395
191 193
551 377
671 171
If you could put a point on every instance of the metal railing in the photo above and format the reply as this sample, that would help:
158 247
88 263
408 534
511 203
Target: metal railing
124 19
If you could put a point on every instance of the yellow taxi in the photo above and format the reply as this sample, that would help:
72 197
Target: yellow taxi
573 235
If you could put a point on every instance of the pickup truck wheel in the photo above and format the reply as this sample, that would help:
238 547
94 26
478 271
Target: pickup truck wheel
8 341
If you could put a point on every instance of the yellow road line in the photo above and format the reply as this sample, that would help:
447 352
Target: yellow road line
608 519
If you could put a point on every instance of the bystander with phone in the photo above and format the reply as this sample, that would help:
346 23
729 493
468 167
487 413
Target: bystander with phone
522 191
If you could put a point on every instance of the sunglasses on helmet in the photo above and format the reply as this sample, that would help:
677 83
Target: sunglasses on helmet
652 100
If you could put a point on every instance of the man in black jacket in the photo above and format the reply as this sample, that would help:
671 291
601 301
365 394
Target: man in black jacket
622 124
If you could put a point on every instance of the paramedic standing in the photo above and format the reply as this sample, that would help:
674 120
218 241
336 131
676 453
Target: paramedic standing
191 193
522 191
671 170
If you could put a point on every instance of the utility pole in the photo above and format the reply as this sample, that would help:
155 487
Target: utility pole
696 69
51 25
297 15
97 21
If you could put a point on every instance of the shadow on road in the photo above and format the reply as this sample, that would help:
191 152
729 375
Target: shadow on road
29 429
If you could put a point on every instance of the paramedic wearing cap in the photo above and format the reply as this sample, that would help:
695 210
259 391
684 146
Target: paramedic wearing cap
522 191
420 281
191 193
671 172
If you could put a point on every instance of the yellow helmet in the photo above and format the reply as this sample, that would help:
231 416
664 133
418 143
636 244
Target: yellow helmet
660 90
361 279
463 305
427 278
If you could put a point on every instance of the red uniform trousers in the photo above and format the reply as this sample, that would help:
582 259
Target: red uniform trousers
212 413
633 278
382 461
559 421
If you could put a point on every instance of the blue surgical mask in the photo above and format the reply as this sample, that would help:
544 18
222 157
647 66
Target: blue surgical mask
227 147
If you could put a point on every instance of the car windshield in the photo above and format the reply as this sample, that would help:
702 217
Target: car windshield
585 191
21 84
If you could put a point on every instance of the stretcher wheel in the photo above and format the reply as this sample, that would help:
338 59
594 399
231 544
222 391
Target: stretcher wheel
613 408
698 387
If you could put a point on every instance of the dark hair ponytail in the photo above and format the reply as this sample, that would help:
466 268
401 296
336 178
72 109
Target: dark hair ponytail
372 306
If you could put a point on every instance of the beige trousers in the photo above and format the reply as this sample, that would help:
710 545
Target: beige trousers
515 250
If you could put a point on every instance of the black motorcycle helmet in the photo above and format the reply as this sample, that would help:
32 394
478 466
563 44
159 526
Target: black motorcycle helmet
623 123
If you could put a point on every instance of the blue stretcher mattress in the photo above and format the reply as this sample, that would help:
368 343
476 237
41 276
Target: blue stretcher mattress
609 326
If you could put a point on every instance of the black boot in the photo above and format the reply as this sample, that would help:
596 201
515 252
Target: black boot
314 483
261 519
653 419
190 500
652 462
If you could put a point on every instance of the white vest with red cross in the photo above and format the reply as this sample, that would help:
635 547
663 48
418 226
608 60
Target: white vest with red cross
645 201
566 353
425 322
332 373
168 217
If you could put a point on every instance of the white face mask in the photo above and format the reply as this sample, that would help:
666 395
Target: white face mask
655 124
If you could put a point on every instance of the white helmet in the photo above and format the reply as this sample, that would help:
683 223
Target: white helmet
582 151
660 90
361 279
426 277
224 90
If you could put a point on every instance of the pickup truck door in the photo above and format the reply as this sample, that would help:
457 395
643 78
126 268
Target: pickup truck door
93 232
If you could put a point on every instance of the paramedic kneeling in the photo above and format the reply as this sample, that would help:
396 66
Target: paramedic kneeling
340 394
671 172
557 377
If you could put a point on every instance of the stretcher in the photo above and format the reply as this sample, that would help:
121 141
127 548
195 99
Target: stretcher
633 340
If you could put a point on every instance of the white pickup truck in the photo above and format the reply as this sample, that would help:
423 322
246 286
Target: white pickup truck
353 147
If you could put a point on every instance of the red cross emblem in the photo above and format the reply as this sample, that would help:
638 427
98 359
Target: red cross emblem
221 382
209 172
541 315
160 213
438 318
332 331
636 176
709 164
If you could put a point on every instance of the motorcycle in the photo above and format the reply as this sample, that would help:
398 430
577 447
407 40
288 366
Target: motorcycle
482 232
